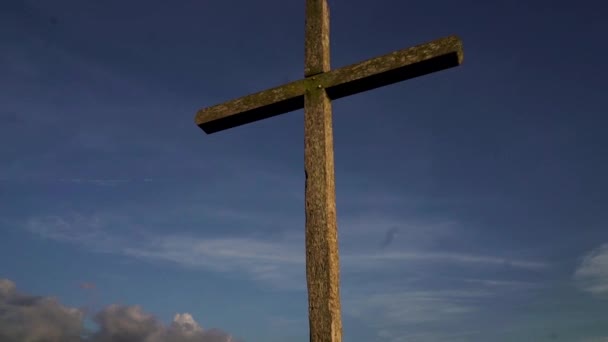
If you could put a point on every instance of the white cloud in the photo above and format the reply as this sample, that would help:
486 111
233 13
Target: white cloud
592 273
32 318
186 324
131 323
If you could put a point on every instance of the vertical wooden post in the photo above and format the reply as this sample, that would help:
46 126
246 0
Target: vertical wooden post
322 261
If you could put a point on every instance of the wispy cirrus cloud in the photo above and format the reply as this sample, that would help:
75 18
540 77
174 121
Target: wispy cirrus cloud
89 232
592 273
277 259
278 262
408 306
411 314
503 284
444 257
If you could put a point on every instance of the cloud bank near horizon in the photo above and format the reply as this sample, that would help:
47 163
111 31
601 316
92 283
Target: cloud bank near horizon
25 317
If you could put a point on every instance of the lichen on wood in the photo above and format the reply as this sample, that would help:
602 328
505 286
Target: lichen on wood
363 76
394 67
254 107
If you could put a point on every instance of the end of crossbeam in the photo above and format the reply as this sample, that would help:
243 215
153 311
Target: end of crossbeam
456 44
394 67
251 108
208 120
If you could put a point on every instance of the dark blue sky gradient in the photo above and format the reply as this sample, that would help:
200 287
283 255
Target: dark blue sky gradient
468 199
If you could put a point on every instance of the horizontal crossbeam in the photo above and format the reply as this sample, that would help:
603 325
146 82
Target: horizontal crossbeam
367 75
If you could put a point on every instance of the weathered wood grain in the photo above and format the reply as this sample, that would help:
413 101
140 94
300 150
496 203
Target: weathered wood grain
394 67
316 40
322 262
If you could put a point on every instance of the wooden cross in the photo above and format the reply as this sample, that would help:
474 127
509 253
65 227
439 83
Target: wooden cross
314 92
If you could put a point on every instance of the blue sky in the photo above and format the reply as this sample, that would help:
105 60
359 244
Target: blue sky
471 202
